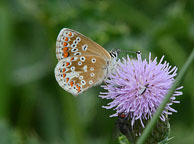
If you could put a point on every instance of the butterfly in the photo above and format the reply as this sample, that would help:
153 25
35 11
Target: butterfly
82 63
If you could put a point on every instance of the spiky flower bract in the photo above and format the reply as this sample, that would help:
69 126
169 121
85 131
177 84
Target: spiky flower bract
137 88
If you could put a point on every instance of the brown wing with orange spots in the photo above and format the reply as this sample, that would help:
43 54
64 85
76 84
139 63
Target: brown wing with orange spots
71 43
81 73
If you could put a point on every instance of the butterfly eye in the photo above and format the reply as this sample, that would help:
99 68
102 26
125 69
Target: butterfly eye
84 47
93 60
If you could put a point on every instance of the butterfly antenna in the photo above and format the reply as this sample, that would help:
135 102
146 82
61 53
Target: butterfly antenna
128 51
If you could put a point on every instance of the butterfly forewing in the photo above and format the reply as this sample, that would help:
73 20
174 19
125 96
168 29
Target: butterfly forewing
82 62
70 43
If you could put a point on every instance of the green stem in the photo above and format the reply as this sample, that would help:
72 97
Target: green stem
75 130
6 41
153 121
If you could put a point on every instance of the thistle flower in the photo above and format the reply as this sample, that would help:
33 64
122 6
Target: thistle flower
137 88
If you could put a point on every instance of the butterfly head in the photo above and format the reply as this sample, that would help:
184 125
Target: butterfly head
114 53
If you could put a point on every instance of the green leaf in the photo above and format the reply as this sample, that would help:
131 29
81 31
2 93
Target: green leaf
123 140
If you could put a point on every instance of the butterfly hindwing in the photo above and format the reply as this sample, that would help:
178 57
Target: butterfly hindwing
81 74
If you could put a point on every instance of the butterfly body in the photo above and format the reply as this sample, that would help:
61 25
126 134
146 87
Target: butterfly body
82 63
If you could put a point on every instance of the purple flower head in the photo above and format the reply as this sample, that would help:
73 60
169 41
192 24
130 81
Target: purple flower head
137 88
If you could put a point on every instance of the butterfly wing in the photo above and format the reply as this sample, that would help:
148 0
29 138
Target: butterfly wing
79 75
82 62
70 43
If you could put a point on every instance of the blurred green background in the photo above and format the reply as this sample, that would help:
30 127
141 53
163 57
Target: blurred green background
35 110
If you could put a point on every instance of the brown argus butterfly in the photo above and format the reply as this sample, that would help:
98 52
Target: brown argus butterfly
82 63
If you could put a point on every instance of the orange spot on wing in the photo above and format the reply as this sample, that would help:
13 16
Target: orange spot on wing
72 59
67 63
65 43
67 79
64 75
66 54
64 70
70 34
65 49
66 39
78 89
71 83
